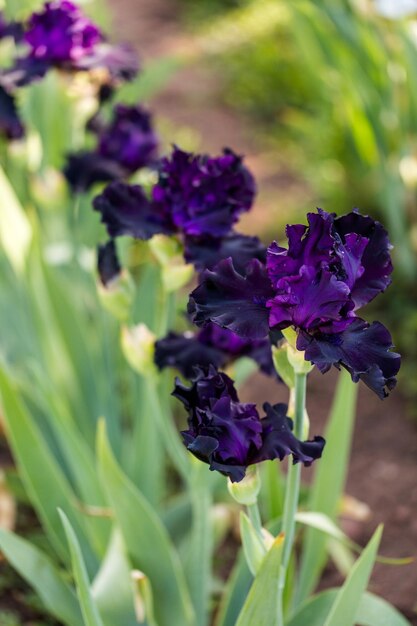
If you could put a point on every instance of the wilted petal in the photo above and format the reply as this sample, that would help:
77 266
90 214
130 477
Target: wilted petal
233 301
363 349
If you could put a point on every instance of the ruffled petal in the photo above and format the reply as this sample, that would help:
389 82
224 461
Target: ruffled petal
363 349
308 299
375 260
107 262
233 301
125 210
278 440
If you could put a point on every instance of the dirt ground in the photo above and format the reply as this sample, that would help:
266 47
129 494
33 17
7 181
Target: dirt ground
383 470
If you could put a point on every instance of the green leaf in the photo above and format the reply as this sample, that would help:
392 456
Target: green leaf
237 588
146 540
261 605
45 483
348 599
253 547
198 564
15 229
88 607
112 588
42 574
373 611
329 481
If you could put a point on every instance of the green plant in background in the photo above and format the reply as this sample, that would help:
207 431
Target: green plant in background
131 521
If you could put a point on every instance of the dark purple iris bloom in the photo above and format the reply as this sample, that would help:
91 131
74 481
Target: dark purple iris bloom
10 124
329 270
61 33
211 346
130 138
108 265
229 435
62 36
204 195
127 143
126 210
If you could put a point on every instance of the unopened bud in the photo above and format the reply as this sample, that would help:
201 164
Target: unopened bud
117 295
176 276
246 491
138 346
165 248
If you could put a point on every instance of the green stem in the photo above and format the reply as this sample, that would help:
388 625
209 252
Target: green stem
292 492
199 562
168 431
255 518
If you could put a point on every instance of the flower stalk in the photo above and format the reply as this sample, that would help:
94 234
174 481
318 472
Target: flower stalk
292 491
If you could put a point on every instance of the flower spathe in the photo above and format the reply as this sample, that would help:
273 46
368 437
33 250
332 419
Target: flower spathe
229 435
329 270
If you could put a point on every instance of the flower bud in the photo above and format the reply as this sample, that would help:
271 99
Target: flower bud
246 491
117 295
138 346
165 248
176 276
282 365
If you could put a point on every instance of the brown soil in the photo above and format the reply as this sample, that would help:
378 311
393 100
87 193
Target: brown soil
383 470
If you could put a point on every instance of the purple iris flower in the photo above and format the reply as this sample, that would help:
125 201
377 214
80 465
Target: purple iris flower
328 271
204 195
129 139
60 35
211 346
229 435
125 144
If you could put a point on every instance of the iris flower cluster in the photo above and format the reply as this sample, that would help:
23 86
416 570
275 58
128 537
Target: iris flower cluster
316 285
230 435
124 145
198 198
58 36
